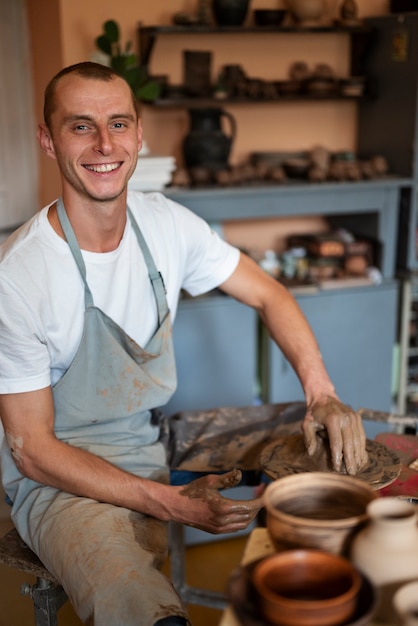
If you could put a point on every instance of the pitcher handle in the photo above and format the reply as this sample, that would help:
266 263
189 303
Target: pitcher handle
232 122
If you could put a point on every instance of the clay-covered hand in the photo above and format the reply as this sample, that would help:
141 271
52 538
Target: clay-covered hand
346 436
218 514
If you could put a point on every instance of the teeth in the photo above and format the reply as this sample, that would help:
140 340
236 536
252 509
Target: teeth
105 167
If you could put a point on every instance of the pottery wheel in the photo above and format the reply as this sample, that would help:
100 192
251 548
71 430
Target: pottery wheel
288 455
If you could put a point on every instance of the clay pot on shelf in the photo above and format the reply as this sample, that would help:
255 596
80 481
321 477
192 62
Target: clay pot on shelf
386 550
206 144
230 12
307 12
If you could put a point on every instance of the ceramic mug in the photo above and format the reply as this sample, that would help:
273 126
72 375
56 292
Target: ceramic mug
405 602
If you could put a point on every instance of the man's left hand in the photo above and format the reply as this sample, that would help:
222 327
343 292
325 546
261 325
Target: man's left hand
345 431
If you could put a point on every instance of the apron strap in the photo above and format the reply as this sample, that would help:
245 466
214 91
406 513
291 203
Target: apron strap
155 276
75 250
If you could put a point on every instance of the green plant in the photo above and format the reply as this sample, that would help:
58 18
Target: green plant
125 63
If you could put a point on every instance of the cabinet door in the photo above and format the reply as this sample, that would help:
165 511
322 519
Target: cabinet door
215 347
356 332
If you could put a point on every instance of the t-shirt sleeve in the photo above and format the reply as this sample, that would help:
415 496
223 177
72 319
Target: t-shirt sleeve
209 260
24 358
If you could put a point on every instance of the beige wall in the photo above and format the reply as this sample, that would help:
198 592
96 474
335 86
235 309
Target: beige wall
63 32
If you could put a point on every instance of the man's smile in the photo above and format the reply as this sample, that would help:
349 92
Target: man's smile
103 168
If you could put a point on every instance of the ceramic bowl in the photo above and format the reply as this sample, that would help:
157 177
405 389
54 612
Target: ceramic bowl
306 588
405 602
317 510
269 17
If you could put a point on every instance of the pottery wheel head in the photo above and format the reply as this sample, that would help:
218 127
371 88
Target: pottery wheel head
288 455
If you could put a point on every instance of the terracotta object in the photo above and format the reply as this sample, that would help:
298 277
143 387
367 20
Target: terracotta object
244 599
316 510
386 550
306 588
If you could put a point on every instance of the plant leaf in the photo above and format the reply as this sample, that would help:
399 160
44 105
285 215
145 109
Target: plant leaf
111 30
150 91
103 43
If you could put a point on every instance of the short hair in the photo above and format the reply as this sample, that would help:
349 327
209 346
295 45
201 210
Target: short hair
86 69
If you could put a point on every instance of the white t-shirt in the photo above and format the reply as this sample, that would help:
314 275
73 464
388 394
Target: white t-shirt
42 294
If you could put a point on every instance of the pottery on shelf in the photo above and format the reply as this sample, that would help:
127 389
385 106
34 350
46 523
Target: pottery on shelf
386 550
230 12
206 145
307 12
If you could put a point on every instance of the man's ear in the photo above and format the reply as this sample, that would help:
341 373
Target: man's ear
45 141
139 131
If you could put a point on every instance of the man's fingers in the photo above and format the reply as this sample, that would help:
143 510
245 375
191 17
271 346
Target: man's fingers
310 429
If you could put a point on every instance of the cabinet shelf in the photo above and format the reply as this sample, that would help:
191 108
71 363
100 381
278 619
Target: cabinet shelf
188 103
147 34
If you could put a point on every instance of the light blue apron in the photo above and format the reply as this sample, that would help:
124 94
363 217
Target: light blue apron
103 404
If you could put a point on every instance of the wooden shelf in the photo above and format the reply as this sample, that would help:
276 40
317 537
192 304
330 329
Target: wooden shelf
188 103
148 34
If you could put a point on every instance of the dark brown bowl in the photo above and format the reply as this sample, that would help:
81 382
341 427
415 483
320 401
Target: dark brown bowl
306 588
269 17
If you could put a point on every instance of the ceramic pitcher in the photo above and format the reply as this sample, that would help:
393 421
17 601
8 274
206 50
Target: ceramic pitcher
386 550
206 144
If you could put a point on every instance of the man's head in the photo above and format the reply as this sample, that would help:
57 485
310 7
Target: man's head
92 130
93 71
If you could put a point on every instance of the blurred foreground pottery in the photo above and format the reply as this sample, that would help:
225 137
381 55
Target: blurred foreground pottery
316 510
306 588
386 550
244 599
405 602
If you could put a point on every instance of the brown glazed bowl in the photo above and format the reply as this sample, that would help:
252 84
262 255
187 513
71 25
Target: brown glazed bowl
306 588
317 510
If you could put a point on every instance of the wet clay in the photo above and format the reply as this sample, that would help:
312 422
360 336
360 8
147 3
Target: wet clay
288 455
229 437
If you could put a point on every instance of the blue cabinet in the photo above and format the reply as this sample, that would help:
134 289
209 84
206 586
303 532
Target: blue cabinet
356 332
215 342
216 339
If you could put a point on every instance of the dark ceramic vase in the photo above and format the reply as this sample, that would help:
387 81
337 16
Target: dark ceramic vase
230 12
207 145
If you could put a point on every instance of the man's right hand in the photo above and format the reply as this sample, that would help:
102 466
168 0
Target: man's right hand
205 508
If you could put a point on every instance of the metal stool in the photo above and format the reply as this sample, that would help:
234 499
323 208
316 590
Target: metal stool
47 594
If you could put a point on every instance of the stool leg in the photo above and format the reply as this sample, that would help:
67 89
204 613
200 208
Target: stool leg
189 595
47 599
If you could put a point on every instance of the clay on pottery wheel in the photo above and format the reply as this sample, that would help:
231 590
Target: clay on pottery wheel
288 455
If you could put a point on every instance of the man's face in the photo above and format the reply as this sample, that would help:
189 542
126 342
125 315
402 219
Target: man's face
95 136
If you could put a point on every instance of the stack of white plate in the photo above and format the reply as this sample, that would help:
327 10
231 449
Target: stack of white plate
152 173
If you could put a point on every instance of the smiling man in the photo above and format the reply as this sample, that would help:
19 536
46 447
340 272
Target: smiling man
89 289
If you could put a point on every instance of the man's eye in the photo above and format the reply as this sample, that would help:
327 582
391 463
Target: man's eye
118 125
80 127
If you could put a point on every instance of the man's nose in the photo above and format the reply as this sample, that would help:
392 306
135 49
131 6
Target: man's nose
103 140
